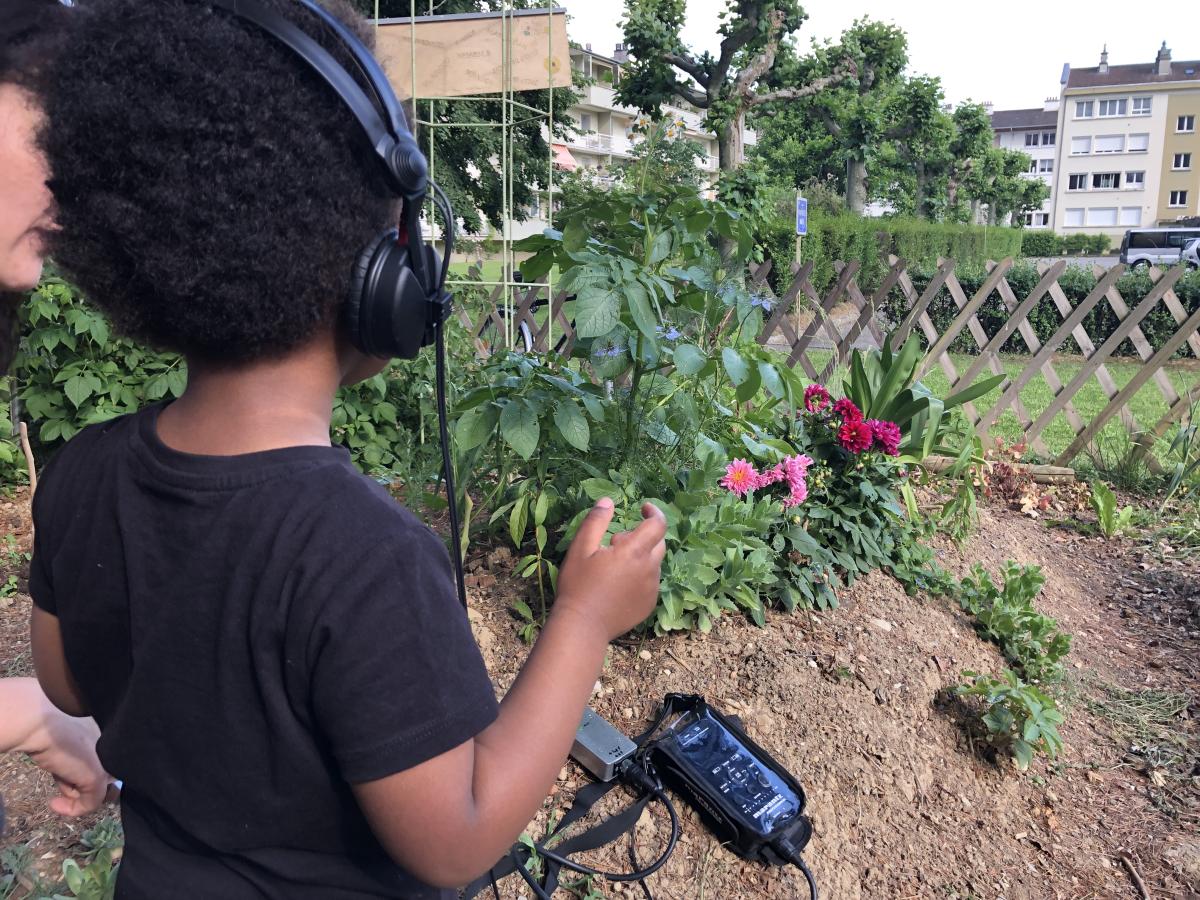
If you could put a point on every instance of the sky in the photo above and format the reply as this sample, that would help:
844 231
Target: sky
1016 64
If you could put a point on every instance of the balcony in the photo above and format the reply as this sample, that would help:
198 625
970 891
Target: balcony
602 143
603 96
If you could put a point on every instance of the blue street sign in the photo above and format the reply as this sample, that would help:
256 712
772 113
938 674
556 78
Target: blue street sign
801 216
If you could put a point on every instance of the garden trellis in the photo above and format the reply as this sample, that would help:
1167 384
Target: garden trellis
802 325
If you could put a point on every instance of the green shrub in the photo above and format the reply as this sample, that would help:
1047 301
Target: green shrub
1040 243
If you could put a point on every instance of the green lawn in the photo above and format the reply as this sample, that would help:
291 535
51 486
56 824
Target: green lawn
1147 405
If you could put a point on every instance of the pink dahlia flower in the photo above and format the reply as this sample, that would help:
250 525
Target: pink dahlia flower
740 477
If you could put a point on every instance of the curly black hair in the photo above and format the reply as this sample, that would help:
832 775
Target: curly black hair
213 192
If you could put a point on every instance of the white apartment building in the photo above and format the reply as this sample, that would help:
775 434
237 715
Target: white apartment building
1127 138
1033 132
605 132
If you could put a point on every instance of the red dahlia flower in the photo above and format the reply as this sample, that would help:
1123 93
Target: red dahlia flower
886 435
856 436
845 410
816 398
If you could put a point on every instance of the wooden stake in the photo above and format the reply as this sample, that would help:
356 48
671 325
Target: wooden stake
29 464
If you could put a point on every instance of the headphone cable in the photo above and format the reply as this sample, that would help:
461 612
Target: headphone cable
445 209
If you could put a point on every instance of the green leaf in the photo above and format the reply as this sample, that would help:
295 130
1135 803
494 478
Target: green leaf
974 392
771 380
597 311
517 520
735 366
99 330
595 488
689 359
572 424
523 610
660 249
574 235
1023 753
475 426
519 427
540 508
639 309
78 389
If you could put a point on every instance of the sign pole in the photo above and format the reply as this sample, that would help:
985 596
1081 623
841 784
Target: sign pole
801 230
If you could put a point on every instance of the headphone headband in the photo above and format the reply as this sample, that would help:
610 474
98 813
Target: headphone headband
391 142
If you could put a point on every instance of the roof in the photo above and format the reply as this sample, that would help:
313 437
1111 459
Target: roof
1140 73
1019 119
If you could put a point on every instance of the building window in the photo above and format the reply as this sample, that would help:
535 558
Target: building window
1031 139
1045 165
1131 215
1083 109
1139 143
1110 143
1032 166
1135 180
1077 182
1028 218
585 121
1181 161
1110 108
1081 145
1185 123
1102 215
1074 218
1041 219
1141 106
1106 181
1048 138
1178 198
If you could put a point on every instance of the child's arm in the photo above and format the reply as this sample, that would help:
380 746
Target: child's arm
50 661
451 818
63 746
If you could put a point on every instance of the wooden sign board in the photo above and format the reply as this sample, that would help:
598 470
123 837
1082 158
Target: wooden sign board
464 55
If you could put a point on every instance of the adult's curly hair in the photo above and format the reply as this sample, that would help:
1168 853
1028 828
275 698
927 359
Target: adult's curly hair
27 30
213 192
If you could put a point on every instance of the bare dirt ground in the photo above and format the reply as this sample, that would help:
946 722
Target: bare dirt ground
855 701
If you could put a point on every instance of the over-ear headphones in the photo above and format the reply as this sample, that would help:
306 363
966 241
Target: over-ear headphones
397 298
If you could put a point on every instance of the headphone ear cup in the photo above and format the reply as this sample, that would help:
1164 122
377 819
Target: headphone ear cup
387 313
353 313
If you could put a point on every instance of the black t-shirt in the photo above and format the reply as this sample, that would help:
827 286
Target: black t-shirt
253 634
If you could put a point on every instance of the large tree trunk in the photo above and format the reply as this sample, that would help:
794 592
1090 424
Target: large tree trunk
856 184
921 200
730 154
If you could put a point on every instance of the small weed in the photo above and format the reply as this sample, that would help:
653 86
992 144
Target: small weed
95 881
1030 641
107 834
10 587
1184 477
1112 522
11 555
1019 718
530 624
15 861
1121 460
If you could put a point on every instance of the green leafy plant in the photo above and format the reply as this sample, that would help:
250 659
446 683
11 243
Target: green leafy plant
1185 451
883 384
1112 522
95 881
1005 615
1018 717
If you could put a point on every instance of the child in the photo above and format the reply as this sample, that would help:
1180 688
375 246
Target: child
28 723
271 646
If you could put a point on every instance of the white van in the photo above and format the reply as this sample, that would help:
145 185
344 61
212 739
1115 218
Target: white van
1155 246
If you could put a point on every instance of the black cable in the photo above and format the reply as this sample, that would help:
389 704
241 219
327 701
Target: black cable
443 427
798 861
529 879
631 876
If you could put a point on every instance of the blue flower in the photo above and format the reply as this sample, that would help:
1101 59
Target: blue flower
610 352
761 301
669 334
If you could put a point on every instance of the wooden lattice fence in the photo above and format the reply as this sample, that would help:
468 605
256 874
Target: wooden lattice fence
819 331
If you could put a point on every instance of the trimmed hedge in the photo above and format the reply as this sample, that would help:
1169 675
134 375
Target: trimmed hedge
1076 282
869 241
1047 243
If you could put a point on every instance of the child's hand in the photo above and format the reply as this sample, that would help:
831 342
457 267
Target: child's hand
615 586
